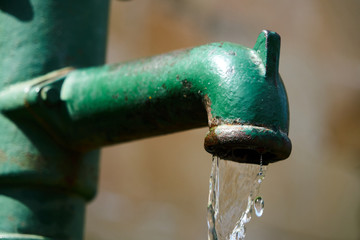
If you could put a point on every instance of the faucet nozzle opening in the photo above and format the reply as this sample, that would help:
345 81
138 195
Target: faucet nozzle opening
246 143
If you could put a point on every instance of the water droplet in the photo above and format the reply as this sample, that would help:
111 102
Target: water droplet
259 206
259 177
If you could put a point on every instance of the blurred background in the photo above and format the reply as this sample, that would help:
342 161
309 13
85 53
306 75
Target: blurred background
157 188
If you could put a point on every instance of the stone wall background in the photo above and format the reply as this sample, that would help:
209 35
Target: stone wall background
157 188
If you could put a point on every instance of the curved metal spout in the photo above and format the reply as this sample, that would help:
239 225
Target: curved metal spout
237 89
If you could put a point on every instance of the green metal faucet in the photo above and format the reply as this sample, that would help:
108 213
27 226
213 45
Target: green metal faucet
58 106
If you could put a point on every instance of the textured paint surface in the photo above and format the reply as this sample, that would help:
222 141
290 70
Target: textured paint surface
61 213
231 84
43 185
37 37
228 83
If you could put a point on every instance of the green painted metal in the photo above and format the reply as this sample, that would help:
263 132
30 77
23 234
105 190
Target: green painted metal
54 118
237 89
41 36
43 186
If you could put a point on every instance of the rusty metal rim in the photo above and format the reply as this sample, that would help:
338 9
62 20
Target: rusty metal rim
245 143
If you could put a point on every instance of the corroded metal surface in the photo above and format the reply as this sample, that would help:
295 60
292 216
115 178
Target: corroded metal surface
245 143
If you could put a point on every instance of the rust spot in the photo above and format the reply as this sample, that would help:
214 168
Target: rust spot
215 121
30 161
3 157
186 84
207 103
115 96
164 86
211 138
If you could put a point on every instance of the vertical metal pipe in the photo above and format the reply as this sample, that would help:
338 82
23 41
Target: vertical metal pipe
41 36
42 196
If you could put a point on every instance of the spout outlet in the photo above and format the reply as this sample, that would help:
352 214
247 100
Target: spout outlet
251 117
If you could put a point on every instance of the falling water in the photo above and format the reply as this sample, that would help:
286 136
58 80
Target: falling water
233 196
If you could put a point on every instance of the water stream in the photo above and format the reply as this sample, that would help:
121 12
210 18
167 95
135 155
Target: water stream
233 197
